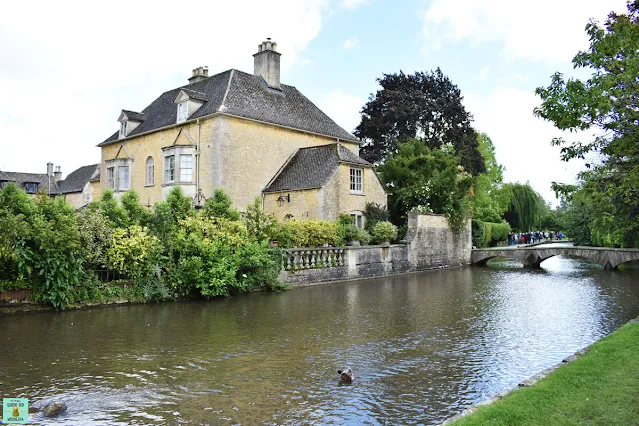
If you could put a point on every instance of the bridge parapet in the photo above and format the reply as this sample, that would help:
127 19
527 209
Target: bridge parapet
609 258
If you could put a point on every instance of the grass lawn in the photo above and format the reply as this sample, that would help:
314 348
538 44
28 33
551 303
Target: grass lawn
599 388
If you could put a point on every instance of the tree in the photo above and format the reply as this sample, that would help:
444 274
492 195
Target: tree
486 206
607 102
427 106
525 207
427 180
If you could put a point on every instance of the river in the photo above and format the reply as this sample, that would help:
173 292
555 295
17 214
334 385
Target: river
423 347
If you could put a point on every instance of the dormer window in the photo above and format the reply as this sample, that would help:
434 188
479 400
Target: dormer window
182 111
188 101
129 121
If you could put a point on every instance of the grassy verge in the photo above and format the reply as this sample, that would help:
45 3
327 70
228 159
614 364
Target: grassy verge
599 388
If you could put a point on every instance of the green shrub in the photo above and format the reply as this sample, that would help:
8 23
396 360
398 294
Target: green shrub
259 225
384 231
57 265
154 288
136 214
220 206
500 232
109 207
95 237
374 213
308 233
485 234
134 252
217 258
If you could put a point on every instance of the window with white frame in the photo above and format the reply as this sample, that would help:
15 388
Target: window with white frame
150 171
186 168
123 129
169 169
356 180
123 178
182 111
111 177
357 219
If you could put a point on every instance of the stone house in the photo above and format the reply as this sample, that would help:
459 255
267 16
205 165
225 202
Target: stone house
32 183
79 188
248 134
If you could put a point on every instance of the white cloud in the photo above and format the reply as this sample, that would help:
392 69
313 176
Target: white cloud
343 108
351 42
69 69
352 4
483 74
547 30
522 141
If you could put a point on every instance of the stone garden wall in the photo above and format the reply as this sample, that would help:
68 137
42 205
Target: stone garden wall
430 243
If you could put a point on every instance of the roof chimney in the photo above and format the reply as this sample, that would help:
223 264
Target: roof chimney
50 169
267 63
57 176
199 74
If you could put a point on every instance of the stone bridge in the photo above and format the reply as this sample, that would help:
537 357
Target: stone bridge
532 256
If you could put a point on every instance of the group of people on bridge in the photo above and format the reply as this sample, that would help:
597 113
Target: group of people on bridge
533 237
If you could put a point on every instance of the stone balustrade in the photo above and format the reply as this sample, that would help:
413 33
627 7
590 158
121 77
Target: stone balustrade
311 258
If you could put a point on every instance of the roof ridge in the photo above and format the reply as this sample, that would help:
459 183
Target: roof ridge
222 107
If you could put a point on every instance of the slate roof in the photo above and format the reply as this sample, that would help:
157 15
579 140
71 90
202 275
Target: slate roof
312 167
20 179
135 116
76 180
196 95
245 95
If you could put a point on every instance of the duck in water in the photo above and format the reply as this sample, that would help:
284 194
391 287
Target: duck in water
346 374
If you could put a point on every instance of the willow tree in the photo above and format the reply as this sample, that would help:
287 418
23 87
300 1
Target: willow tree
525 207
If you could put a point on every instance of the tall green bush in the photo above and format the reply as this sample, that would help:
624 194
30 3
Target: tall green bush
259 225
95 237
58 259
220 205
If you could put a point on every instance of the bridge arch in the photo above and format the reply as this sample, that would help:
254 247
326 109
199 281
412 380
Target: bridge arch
609 258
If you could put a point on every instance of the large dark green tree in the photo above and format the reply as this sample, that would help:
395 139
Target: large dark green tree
426 106
608 103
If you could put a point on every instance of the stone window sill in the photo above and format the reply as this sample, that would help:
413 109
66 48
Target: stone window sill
178 183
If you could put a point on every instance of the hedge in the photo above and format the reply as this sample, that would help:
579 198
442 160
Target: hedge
488 233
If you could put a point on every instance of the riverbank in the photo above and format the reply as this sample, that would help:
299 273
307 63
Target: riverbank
599 387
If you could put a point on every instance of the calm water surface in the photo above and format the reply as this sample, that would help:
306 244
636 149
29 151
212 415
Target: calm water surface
423 347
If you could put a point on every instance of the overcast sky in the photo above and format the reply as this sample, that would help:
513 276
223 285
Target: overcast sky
68 68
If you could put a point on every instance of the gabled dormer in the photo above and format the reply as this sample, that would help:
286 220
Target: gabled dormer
188 101
129 120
